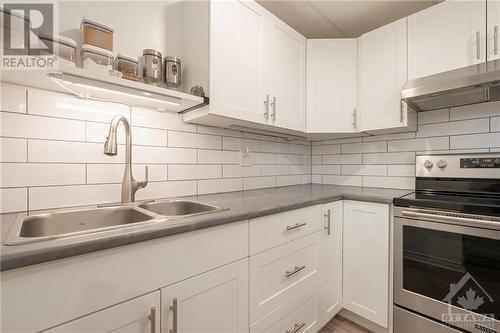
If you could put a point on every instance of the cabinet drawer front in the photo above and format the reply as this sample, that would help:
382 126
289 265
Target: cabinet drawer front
301 314
269 231
281 273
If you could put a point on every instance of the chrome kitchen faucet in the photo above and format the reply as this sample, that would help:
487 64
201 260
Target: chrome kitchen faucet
129 184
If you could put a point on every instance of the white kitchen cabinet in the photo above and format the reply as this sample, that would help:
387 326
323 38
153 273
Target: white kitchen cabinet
139 315
284 58
331 85
492 29
331 280
381 75
236 60
366 260
446 36
216 301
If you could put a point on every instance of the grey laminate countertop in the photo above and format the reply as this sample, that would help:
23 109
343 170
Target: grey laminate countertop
242 205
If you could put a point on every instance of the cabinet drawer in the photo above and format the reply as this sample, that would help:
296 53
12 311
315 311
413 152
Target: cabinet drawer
281 273
301 314
269 231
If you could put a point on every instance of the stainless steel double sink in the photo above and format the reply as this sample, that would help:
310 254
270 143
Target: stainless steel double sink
64 224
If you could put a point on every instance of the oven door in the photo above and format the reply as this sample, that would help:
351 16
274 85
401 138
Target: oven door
449 272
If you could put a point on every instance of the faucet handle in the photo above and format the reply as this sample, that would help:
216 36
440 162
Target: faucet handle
142 184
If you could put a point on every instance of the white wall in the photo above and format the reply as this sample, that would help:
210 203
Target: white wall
52 154
389 160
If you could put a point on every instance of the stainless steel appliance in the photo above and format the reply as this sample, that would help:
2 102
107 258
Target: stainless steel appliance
173 72
152 67
469 85
447 246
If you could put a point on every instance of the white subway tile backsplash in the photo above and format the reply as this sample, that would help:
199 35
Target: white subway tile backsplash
486 140
13 150
230 171
193 140
13 200
98 132
368 147
274 147
495 124
52 104
218 157
407 135
253 183
219 131
288 180
316 179
70 152
342 180
12 98
220 185
340 141
240 144
299 149
364 170
187 172
298 169
436 143
401 170
32 174
343 159
431 117
475 111
27 126
318 159
326 169
290 159
113 173
455 127
156 190
390 182
163 155
326 149
389 158
263 158
274 169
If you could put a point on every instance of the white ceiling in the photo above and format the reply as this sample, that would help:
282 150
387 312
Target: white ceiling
340 19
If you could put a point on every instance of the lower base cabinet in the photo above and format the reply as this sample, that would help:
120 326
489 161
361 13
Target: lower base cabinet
139 315
213 302
300 315
366 260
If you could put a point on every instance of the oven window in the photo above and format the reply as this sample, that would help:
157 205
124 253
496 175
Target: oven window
459 269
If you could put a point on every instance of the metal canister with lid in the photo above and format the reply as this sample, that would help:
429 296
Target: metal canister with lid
152 67
173 72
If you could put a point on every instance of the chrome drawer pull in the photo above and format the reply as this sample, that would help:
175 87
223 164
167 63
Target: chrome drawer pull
297 225
296 328
173 308
295 270
152 318
328 216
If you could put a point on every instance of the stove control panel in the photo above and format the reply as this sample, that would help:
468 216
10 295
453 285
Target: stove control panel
480 162
485 165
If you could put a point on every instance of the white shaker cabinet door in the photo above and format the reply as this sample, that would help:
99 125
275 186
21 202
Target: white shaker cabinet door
236 60
446 36
331 85
284 55
366 260
332 261
213 302
493 29
139 315
382 70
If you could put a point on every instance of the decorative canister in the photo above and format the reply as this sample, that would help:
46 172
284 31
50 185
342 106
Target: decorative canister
152 67
173 71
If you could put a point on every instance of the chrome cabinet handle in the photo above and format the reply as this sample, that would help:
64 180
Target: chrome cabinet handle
297 327
328 216
297 225
266 104
495 40
173 308
152 318
354 119
273 104
295 270
478 45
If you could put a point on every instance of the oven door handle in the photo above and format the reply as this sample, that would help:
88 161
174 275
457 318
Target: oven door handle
454 218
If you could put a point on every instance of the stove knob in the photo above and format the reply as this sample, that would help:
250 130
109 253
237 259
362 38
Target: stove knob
442 164
428 164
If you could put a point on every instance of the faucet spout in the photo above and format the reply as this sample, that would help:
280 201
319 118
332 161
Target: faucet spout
129 184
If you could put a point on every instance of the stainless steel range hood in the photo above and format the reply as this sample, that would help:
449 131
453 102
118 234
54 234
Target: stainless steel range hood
469 85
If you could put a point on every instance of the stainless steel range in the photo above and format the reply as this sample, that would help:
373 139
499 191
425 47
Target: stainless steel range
447 247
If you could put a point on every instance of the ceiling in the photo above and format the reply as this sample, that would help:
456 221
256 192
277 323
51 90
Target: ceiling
341 19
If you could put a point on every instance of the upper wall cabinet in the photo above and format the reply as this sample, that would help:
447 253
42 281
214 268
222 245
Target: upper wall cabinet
449 35
256 66
382 69
331 85
493 24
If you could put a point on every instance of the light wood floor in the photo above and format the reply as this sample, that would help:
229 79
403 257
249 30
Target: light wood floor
341 325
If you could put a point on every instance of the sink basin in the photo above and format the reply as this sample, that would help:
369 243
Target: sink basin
65 224
180 208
